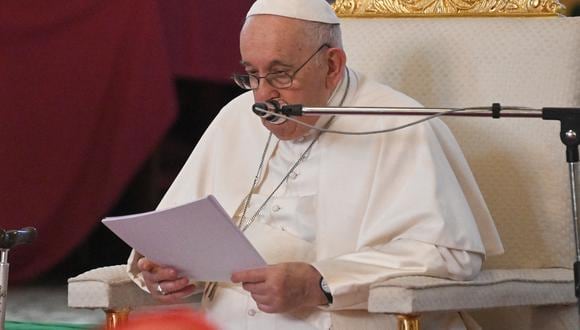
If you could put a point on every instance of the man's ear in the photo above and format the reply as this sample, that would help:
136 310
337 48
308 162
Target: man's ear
336 64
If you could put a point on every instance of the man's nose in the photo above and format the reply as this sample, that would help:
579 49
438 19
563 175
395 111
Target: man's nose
265 91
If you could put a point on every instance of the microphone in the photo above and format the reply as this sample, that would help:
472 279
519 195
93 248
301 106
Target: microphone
11 238
271 105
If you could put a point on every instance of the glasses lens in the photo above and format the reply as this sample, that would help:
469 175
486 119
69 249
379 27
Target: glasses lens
243 80
279 79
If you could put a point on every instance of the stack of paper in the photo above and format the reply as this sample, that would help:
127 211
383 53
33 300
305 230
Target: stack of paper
199 239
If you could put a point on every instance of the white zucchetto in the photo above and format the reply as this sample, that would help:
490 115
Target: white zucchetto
308 10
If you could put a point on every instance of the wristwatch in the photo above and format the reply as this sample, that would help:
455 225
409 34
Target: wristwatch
326 290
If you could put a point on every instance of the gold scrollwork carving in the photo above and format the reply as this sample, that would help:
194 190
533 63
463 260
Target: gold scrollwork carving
403 8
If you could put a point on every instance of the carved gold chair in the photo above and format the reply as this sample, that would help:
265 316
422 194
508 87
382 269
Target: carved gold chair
523 55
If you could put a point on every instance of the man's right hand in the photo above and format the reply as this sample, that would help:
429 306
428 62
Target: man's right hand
163 282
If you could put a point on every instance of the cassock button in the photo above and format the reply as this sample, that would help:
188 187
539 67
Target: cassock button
251 312
276 208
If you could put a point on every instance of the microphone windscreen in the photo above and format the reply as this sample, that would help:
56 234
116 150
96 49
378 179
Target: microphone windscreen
271 106
260 108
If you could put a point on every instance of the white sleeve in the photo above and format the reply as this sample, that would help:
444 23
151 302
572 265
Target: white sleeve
134 272
349 276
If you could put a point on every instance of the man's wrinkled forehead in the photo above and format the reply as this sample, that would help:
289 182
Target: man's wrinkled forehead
277 46
308 10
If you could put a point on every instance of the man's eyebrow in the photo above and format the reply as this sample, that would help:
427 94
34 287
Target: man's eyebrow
272 64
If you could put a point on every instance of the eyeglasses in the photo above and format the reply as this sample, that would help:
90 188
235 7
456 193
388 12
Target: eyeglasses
280 79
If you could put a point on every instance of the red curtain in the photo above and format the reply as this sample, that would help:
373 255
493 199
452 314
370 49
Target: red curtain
203 36
86 93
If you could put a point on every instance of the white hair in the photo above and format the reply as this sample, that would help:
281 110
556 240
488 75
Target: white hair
323 33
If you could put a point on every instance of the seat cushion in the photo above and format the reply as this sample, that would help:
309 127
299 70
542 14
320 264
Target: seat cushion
491 288
107 288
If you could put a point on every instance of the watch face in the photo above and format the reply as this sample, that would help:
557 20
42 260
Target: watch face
324 285
326 290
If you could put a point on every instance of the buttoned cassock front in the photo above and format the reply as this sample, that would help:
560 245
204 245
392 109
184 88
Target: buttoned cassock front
385 205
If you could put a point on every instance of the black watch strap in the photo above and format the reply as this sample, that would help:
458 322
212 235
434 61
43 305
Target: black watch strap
326 290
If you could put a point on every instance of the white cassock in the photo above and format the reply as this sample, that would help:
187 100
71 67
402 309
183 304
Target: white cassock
360 209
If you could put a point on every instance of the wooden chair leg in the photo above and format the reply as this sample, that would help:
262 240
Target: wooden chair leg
408 322
116 317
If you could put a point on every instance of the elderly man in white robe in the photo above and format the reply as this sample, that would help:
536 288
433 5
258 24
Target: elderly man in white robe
331 214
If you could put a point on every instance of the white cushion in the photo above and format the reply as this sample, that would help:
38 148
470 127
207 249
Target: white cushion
491 288
109 288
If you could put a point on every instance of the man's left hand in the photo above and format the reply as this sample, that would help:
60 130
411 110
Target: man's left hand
283 287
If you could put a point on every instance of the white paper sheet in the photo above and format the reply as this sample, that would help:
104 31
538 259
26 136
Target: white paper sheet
199 239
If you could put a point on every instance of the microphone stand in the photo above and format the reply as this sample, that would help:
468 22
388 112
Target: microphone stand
8 240
569 135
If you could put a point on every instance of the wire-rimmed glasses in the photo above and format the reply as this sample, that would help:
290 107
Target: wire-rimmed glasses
279 79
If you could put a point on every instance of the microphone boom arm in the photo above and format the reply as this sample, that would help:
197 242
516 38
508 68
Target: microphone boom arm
495 111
